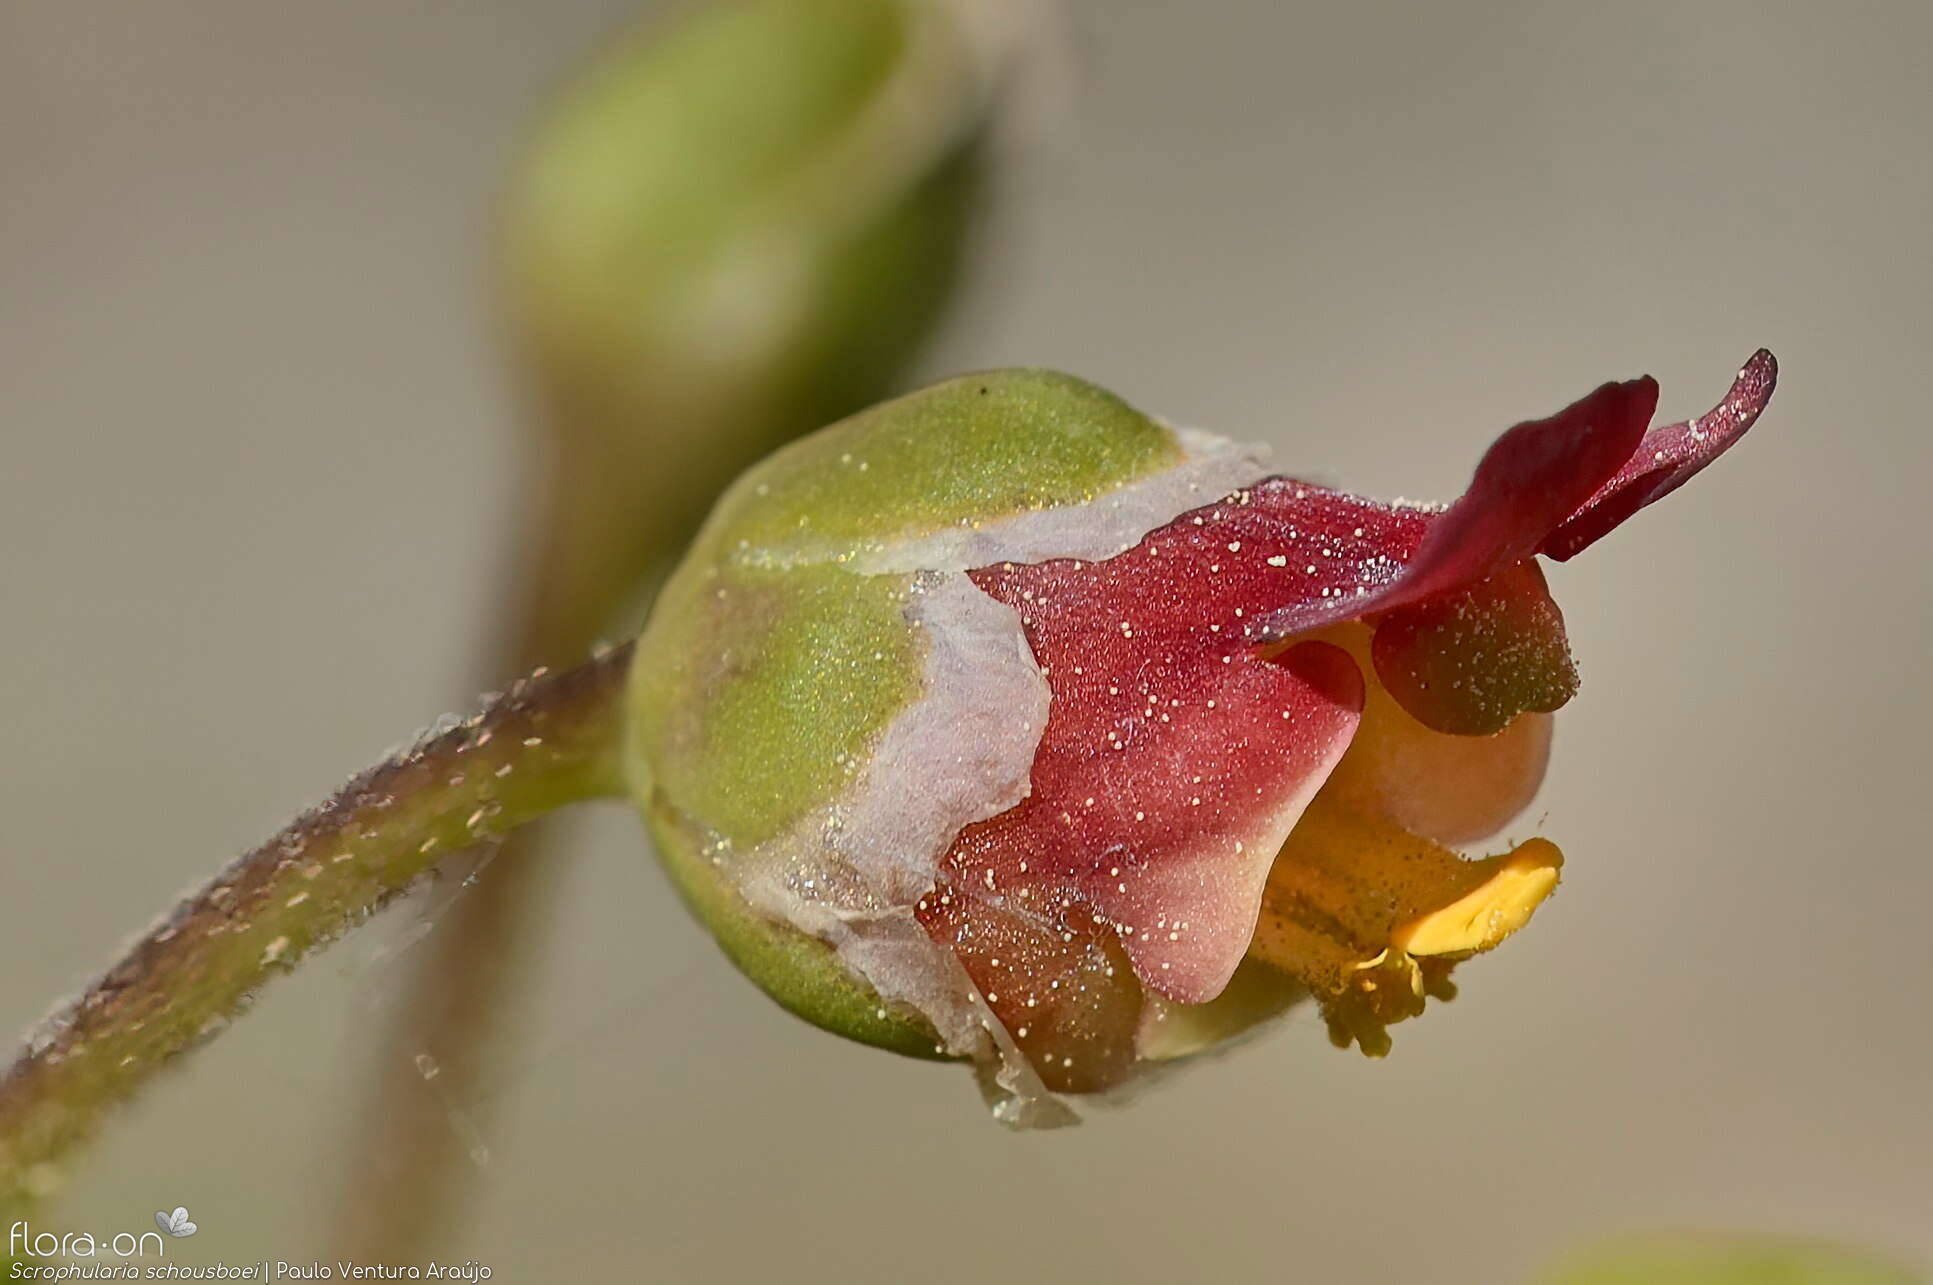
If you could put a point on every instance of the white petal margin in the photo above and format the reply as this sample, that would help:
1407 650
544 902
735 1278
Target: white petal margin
851 873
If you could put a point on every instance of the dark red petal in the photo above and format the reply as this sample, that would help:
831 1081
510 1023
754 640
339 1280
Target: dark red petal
1059 983
1469 661
1667 458
1531 479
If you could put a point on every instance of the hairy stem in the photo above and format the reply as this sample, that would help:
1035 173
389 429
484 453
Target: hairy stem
546 742
594 536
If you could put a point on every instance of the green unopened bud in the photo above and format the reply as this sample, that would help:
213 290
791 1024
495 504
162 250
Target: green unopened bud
729 232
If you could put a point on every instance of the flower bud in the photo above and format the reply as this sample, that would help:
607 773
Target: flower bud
730 229
1004 722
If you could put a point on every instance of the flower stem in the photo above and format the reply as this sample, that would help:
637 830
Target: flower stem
548 741
596 532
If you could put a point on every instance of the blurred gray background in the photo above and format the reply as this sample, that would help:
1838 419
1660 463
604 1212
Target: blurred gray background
258 463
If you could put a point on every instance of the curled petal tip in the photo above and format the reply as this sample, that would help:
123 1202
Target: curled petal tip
1667 458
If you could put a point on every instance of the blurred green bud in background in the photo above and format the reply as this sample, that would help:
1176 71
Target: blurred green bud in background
725 233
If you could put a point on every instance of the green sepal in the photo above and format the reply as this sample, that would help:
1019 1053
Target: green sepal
799 972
